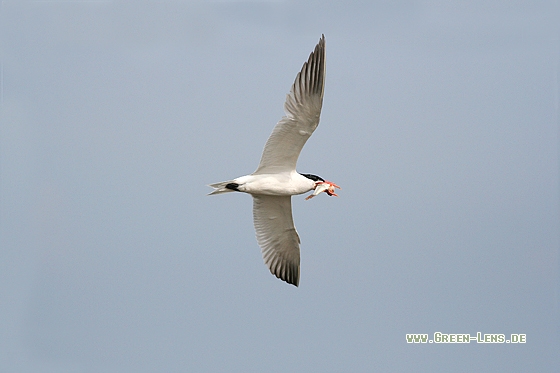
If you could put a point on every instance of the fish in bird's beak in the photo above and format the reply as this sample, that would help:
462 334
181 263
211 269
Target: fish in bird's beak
324 186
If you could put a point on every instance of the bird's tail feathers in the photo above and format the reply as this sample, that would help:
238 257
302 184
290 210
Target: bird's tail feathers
222 187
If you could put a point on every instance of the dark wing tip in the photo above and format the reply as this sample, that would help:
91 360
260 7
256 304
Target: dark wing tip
316 66
284 270
290 275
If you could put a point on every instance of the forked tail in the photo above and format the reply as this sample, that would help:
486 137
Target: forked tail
224 187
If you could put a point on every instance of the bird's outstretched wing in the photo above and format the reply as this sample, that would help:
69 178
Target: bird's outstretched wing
303 109
277 236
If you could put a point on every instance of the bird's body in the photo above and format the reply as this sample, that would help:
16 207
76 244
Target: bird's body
276 178
287 183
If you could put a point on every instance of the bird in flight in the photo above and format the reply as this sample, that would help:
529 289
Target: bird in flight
276 180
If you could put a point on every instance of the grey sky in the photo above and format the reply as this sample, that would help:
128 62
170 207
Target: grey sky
440 122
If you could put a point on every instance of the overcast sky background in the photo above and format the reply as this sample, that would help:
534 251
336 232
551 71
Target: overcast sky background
440 122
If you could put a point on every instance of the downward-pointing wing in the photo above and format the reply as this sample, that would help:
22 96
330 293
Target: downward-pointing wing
277 236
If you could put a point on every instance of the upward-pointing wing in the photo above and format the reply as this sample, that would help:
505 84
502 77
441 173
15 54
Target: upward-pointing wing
303 109
277 236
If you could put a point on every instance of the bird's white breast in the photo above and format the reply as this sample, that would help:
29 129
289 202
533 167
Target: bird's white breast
280 184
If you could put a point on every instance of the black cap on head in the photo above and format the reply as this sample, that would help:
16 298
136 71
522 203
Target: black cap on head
313 177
